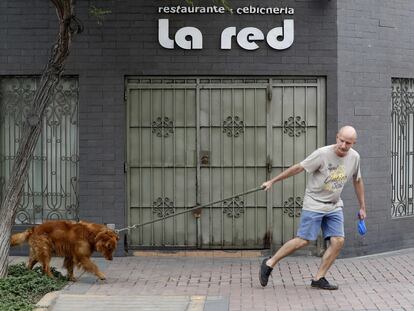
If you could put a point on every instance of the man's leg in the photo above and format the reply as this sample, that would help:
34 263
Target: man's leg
335 246
288 248
333 228
310 224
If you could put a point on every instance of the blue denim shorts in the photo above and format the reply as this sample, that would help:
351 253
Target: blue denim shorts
332 224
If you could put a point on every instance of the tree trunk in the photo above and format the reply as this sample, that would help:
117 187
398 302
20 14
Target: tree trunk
5 228
32 128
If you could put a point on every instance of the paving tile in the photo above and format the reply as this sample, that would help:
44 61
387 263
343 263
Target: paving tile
383 282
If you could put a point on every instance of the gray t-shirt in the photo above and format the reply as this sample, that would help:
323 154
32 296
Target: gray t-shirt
328 174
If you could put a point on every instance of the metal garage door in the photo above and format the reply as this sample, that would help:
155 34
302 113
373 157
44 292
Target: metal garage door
196 140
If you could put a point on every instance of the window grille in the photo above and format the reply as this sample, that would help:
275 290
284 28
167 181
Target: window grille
51 189
402 147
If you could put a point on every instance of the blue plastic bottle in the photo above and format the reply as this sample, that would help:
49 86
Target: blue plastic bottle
362 229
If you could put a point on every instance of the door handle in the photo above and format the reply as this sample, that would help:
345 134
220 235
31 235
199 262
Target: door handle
269 164
205 157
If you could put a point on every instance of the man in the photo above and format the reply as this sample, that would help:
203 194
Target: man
329 168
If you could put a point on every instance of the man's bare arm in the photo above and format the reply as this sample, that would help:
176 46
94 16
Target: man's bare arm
291 171
360 193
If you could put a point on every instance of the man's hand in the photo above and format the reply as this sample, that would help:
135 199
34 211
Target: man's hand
362 214
267 185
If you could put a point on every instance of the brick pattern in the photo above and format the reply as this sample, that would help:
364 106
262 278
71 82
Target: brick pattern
381 282
127 44
374 44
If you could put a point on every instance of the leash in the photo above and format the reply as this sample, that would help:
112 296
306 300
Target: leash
188 210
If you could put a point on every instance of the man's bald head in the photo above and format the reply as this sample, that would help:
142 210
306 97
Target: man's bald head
348 132
345 139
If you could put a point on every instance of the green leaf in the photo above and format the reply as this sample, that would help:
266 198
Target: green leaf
99 13
23 288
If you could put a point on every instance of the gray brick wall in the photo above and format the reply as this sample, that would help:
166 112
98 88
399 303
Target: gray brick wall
358 87
127 45
374 44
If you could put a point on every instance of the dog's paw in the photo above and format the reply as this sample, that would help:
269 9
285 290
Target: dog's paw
101 276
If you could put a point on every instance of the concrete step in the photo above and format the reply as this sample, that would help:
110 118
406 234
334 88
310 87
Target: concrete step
66 302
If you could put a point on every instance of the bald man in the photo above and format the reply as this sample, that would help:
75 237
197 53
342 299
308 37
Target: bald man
329 168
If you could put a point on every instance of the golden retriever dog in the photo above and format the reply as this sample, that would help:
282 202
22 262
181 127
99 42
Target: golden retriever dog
75 241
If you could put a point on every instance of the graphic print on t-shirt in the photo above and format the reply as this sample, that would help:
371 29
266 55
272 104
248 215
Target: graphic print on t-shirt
336 179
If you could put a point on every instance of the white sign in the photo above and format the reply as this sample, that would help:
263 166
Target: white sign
191 38
194 43
180 9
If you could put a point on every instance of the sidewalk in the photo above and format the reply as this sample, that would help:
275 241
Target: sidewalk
380 282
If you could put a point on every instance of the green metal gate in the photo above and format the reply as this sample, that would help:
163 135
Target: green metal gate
193 141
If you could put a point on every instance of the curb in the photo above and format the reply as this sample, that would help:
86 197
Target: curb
47 301
70 302
205 254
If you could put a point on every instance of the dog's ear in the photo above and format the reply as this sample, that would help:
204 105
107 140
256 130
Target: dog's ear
100 236
105 243
112 234
105 235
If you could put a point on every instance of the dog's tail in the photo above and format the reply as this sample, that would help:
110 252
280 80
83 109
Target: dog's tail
20 238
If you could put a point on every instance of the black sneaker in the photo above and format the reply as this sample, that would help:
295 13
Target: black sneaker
264 272
322 283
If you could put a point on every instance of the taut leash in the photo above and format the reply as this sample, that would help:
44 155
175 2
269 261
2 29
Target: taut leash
188 210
